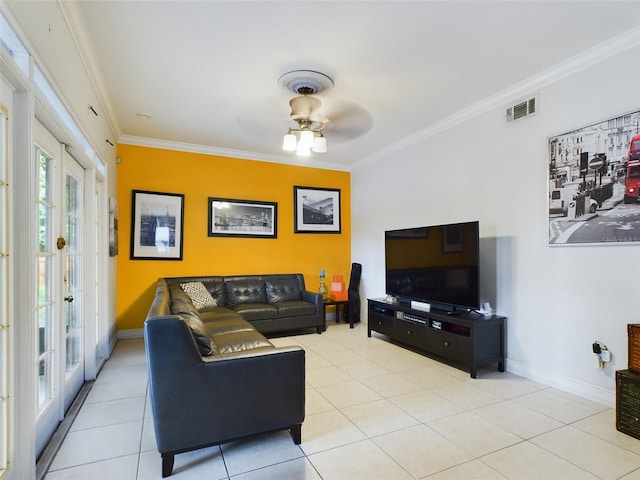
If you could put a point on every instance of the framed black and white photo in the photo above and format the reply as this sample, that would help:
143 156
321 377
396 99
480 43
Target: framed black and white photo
113 227
316 210
156 225
242 218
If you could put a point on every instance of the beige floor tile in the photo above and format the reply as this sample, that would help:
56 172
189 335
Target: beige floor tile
148 441
121 468
603 425
390 385
474 434
362 369
358 461
205 463
298 469
526 461
320 377
259 451
473 470
379 417
466 395
518 419
421 451
635 475
505 384
126 373
591 453
426 405
314 360
324 431
316 403
429 377
105 392
348 393
97 444
399 361
563 407
342 356
109 413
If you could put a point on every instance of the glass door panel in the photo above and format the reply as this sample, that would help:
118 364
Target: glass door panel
45 254
72 291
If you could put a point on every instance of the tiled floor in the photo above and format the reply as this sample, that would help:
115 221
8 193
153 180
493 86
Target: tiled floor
374 411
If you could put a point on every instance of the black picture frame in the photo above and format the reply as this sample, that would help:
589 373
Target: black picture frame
157 221
229 217
317 210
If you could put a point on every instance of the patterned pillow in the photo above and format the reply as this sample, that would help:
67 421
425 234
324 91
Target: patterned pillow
199 295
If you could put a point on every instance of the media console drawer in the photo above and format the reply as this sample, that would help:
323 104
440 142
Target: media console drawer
448 345
410 332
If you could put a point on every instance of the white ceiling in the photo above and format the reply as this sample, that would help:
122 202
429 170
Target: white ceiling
207 71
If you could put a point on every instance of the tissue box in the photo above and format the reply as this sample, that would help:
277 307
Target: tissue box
338 291
336 295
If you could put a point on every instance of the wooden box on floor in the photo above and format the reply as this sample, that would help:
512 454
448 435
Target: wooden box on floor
628 402
633 332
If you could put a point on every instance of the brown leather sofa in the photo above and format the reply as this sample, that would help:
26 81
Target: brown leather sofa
213 377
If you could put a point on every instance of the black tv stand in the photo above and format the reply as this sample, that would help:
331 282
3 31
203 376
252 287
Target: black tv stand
464 338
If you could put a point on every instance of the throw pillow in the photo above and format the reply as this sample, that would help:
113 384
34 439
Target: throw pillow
199 295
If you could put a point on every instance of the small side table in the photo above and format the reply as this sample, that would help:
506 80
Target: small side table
338 303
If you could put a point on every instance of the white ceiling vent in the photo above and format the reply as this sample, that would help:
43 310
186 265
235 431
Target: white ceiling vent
522 109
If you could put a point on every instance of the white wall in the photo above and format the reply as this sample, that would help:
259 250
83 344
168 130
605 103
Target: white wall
558 300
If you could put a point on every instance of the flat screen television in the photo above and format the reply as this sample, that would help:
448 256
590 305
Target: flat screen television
436 264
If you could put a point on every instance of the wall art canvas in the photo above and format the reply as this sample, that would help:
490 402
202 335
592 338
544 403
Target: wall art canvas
594 177
156 225
242 218
113 227
316 210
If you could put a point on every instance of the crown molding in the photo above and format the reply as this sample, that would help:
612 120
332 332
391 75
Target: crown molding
614 46
225 152
78 31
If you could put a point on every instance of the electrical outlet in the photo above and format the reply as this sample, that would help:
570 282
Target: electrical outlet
605 356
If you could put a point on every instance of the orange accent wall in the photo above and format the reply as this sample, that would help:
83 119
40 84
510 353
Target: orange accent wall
200 176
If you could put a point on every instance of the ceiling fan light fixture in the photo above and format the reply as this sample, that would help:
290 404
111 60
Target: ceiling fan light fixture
319 144
306 139
289 142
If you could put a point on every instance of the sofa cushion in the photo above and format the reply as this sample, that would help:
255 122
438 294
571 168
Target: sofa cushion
229 325
200 334
199 295
218 313
282 289
256 311
183 306
246 290
295 308
178 294
240 341
216 289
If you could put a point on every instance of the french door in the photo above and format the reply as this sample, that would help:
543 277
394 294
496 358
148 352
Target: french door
59 362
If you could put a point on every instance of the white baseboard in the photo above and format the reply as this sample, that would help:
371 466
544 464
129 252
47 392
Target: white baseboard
130 334
590 392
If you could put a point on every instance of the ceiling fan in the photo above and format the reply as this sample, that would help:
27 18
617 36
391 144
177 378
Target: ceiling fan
312 114
305 134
